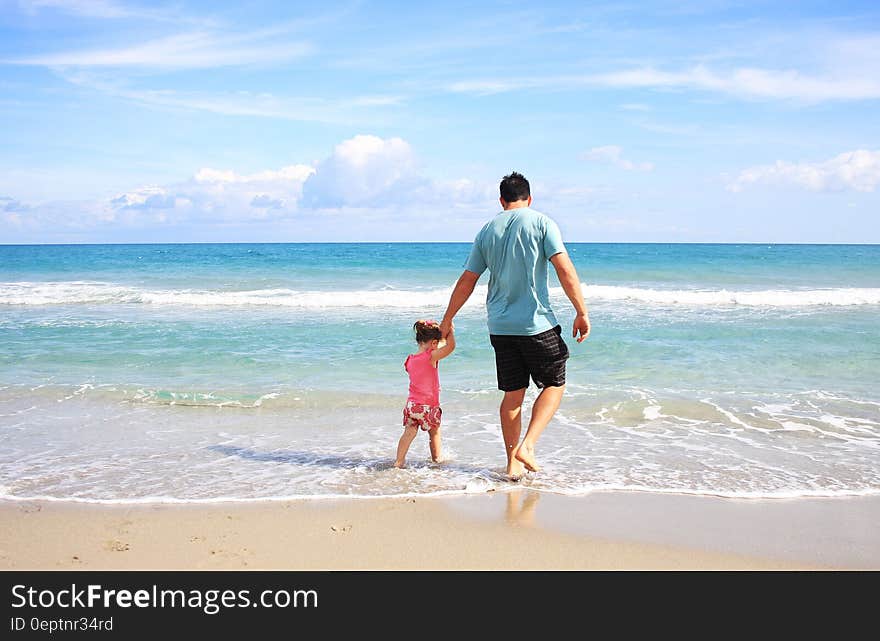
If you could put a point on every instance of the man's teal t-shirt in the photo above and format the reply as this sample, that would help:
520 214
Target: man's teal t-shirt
516 247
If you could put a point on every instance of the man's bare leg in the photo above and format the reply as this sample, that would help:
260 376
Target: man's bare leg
521 513
542 411
511 428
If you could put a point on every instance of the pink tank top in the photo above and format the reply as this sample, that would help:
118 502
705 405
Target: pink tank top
424 379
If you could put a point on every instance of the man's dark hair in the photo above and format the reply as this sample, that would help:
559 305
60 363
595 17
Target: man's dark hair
515 187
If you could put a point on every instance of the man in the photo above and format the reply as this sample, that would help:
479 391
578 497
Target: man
516 247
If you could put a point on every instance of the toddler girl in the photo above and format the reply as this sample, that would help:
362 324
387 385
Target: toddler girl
422 408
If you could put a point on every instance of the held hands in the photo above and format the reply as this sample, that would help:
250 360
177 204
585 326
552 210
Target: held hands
447 327
582 326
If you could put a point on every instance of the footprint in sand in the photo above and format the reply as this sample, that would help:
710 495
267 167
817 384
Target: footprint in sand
117 546
232 555
122 527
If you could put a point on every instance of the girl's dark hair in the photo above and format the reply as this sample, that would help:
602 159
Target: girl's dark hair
427 331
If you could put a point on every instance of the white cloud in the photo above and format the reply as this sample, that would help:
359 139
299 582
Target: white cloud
229 195
368 172
289 174
613 155
361 171
372 182
211 195
858 170
150 197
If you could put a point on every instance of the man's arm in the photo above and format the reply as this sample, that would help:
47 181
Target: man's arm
460 294
571 284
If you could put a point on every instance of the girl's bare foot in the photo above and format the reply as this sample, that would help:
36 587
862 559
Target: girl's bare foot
399 465
526 456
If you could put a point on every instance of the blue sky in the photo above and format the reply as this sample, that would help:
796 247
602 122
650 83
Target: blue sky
703 121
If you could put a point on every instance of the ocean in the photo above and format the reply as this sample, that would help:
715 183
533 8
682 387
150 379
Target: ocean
214 372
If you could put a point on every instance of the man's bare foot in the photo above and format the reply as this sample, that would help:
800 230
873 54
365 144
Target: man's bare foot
526 456
399 465
515 470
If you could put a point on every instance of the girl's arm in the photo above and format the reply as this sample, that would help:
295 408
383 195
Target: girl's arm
446 350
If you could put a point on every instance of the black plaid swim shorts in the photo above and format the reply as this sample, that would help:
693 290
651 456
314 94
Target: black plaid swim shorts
541 356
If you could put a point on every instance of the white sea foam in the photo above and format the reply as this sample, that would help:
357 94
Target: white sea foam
759 298
477 486
95 292
101 447
651 412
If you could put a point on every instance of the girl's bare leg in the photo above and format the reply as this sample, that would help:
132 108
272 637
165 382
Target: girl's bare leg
435 444
409 433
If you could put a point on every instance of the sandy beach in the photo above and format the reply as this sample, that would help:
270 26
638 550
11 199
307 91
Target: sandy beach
517 530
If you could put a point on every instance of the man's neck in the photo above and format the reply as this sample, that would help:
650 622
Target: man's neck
517 204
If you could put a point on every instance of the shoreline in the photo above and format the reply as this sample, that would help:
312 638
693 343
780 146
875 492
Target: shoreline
517 529
441 494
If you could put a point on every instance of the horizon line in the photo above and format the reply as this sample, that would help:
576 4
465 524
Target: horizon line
434 242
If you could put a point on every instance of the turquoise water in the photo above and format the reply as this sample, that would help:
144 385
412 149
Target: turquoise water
251 371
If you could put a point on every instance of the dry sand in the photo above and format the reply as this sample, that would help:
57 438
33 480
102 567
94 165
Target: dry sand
499 530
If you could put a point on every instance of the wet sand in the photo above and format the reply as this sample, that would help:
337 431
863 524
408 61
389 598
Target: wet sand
520 529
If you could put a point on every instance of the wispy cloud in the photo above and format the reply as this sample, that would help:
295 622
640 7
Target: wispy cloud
357 109
613 155
180 51
749 83
106 10
87 8
669 129
302 109
858 170
119 71
9 204
369 109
